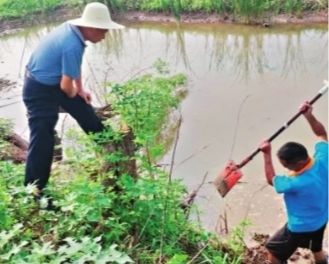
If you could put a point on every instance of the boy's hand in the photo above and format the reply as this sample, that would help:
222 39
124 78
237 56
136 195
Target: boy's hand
306 108
265 147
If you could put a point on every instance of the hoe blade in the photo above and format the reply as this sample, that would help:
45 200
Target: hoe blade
227 178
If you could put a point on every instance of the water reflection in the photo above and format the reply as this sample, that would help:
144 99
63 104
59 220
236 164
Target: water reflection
244 50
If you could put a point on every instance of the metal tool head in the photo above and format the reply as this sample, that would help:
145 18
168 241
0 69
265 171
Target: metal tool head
227 178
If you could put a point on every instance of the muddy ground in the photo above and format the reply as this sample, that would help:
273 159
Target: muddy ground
257 254
254 254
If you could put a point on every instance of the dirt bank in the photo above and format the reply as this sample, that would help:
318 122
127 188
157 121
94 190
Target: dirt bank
203 18
257 254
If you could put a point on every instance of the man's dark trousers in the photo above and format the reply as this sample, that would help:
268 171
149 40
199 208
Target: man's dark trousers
42 103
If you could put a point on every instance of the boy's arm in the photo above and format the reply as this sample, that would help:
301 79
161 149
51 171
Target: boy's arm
265 147
316 126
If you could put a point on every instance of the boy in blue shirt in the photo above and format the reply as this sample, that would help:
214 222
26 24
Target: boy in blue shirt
305 192
53 80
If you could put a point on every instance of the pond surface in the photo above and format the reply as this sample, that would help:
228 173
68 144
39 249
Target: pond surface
243 83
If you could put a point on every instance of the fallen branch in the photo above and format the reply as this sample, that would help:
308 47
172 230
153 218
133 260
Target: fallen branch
16 150
18 141
198 253
188 201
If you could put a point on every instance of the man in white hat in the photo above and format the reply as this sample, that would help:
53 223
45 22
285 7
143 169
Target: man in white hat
53 80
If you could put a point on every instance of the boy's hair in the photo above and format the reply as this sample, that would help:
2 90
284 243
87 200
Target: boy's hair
292 152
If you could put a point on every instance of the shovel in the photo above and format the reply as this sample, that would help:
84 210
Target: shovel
231 174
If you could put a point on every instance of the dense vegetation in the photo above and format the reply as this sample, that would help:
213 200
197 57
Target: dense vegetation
238 8
134 220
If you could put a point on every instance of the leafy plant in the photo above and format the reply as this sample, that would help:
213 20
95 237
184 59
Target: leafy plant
5 127
236 236
144 104
5 130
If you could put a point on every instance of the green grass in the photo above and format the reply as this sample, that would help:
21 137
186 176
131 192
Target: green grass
21 8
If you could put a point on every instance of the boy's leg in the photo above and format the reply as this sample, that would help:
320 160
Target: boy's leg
281 246
273 260
320 257
316 246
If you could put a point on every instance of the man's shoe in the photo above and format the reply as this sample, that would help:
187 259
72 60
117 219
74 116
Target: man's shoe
46 203
50 206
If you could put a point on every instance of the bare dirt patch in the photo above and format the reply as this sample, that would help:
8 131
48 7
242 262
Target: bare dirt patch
257 254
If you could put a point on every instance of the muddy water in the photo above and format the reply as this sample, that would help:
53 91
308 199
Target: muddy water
244 83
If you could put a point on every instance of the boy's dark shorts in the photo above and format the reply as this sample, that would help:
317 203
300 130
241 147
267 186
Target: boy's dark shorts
284 242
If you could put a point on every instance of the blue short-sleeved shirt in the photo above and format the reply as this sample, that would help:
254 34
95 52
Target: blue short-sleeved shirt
306 195
59 53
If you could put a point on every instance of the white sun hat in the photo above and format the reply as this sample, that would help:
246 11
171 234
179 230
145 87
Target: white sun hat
96 15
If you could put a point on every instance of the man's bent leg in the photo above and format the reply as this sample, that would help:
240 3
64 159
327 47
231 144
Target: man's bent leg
82 112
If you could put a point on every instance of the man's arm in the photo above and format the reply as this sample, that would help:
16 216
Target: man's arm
81 92
265 147
316 126
68 86
74 87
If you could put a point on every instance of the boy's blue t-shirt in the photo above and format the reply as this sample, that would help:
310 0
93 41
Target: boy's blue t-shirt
59 53
306 195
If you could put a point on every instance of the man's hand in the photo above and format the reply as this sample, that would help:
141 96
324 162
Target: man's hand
86 96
